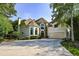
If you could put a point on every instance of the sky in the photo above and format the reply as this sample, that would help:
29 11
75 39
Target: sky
33 10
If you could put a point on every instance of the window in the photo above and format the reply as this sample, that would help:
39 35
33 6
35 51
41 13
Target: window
36 30
31 31
42 26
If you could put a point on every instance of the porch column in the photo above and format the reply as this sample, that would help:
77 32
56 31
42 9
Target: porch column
38 30
29 32
33 30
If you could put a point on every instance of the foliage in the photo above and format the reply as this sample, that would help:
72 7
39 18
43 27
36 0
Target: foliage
15 25
7 9
16 33
71 47
12 35
5 25
25 38
76 27
62 12
33 37
1 40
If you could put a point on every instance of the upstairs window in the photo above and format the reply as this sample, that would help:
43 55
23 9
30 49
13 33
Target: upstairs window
42 26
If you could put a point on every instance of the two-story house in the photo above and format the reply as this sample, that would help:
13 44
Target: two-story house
41 28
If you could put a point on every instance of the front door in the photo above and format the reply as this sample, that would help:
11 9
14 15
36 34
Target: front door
42 34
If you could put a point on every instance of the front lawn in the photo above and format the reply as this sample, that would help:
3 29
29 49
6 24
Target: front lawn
71 47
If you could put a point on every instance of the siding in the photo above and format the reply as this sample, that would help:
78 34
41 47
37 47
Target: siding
24 31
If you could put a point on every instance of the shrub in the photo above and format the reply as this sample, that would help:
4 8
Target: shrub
34 37
12 35
25 38
1 39
17 34
71 47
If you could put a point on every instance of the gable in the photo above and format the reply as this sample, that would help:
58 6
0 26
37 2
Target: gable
28 22
33 23
41 20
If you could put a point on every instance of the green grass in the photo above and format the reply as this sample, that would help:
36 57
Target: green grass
71 47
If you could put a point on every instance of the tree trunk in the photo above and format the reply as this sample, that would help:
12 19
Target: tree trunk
72 32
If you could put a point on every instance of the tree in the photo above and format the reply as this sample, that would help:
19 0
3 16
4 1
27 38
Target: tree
5 24
15 25
7 10
76 27
62 12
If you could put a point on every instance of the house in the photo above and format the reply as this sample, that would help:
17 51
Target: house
30 27
41 28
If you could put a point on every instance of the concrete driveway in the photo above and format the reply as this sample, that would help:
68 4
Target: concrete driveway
36 47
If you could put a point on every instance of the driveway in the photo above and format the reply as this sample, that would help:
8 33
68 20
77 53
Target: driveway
36 47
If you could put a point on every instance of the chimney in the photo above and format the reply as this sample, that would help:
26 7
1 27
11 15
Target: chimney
19 22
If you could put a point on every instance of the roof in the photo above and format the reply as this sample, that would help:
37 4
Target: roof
29 22
41 20
32 23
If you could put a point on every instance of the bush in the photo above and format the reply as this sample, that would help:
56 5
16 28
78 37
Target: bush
12 35
76 34
34 37
17 34
25 38
76 28
71 47
1 39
